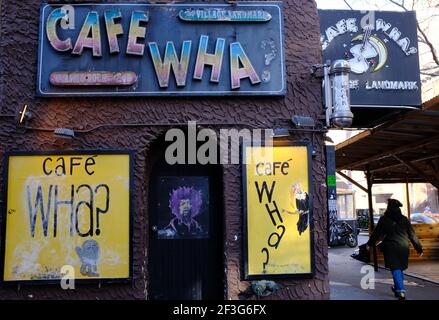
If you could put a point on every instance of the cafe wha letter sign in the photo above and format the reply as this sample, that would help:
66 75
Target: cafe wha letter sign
67 216
197 49
278 212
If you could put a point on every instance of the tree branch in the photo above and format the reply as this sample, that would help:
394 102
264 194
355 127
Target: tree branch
427 41
430 45
347 3
434 74
398 4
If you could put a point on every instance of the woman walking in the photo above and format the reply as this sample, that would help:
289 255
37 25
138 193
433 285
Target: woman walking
393 233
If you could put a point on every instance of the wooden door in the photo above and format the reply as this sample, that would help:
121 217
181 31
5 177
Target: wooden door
185 237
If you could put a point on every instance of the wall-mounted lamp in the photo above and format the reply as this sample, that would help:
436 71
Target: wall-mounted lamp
280 133
24 115
340 114
64 133
303 122
336 93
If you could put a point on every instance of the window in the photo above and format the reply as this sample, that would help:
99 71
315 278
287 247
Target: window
345 206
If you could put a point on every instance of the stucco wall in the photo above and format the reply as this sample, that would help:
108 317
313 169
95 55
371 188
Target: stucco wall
19 44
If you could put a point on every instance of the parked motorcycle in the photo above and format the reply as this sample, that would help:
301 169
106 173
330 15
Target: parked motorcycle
346 235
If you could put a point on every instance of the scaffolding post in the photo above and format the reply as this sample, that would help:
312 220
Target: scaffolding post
371 222
407 193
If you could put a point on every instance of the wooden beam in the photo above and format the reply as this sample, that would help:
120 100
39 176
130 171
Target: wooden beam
435 168
352 181
412 167
354 139
369 178
407 194
435 163
412 146
384 181
400 164
427 122
430 104
404 132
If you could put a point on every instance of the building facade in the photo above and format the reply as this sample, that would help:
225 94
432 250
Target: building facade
127 123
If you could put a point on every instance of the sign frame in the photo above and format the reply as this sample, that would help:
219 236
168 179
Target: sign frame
245 231
279 92
383 84
4 195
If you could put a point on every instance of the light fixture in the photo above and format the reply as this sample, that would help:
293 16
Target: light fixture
341 115
64 133
24 115
280 132
303 122
336 92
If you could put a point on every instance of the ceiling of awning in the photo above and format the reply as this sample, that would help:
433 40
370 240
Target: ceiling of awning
403 149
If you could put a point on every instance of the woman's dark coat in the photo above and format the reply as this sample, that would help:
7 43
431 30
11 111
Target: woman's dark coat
395 231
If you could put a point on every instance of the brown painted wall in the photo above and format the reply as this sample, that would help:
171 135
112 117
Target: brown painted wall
18 51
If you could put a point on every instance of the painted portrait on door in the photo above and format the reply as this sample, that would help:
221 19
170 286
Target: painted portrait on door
184 207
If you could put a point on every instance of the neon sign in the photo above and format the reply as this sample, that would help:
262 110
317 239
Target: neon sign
132 49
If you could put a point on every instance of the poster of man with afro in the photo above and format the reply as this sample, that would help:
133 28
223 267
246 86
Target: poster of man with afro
184 206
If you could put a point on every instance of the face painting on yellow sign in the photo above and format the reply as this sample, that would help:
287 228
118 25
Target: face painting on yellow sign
67 211
278 211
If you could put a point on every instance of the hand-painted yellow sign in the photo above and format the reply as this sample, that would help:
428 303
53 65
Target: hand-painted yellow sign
278 211
67 210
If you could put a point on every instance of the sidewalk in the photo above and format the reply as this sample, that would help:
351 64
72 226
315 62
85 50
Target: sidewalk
345 281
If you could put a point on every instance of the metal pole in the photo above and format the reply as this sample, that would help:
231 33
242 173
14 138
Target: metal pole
371 222
408 197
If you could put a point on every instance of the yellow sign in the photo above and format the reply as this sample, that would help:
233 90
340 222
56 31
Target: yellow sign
67 210
278 211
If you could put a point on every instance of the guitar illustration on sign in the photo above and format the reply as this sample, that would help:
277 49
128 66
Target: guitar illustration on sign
361 53
370 47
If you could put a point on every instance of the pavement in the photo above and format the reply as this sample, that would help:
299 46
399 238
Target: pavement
347 282
429 270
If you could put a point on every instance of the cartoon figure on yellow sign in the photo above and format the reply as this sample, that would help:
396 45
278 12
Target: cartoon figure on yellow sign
299 202
89 255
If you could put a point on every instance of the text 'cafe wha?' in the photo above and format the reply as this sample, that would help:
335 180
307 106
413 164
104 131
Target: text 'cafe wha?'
127 46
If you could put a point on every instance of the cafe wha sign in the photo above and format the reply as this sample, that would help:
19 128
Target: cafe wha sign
137 49
382 50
